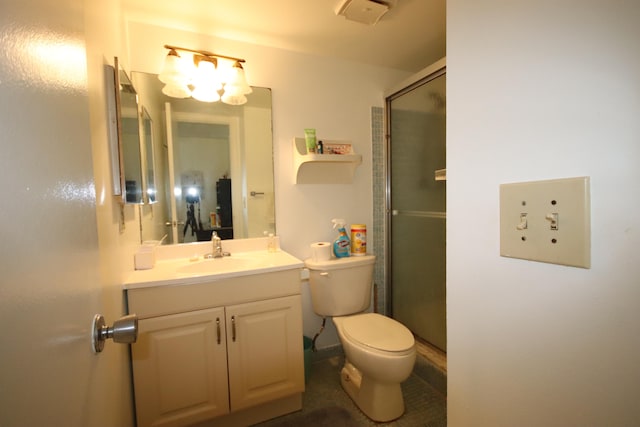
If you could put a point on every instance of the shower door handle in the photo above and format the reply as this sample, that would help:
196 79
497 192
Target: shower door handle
419 214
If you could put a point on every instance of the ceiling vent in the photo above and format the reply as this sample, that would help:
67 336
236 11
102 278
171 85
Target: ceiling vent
364 11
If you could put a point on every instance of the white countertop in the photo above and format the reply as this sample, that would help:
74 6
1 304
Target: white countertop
183 269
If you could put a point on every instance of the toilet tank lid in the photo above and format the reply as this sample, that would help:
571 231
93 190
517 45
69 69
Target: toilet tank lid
337 263
379 332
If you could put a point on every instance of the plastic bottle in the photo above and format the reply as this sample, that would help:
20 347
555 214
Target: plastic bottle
358 239
342 244
310 140
271 243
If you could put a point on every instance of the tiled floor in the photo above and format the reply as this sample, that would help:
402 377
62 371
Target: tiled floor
424 405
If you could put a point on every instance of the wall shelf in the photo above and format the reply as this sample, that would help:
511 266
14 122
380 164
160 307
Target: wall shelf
323 168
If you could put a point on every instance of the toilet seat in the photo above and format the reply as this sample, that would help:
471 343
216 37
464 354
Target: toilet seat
378 332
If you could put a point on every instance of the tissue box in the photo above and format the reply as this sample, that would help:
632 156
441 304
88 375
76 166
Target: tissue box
145 258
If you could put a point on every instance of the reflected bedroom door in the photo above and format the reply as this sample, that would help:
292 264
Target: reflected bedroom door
173 211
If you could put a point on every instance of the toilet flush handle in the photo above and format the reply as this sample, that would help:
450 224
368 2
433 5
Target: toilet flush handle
324 273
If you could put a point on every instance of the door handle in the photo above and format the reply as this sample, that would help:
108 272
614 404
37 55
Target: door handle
233 328
218 328
124 331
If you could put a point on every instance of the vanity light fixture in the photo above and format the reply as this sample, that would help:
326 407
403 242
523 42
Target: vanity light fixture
205 76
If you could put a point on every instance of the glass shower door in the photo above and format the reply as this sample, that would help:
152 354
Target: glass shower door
417 189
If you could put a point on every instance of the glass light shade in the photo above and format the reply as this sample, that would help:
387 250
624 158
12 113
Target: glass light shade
234 90
234 99
238 80
173 70
176 90
205 93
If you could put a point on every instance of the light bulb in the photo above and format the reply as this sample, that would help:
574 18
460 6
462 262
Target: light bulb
206 82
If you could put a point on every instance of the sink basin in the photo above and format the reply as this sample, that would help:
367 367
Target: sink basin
221 265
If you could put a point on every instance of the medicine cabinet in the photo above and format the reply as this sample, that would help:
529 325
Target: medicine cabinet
124 135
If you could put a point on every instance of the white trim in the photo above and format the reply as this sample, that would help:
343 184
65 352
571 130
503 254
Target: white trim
436 66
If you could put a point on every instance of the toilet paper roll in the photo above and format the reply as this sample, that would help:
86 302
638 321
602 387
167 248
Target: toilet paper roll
321 251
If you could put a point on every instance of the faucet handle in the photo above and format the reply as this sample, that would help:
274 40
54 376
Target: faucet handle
214 236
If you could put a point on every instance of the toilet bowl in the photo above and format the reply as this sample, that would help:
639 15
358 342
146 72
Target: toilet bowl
380 353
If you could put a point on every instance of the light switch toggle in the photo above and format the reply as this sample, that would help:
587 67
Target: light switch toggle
553 220
523 222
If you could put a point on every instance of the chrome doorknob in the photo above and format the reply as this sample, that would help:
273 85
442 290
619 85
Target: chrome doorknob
124 330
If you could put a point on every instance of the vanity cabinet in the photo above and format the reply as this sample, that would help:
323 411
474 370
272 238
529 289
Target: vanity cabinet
180 368
237 363
264 351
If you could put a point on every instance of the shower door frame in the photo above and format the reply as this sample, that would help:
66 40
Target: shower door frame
437 69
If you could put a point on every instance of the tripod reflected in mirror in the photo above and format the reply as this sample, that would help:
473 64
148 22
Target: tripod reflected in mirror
192 221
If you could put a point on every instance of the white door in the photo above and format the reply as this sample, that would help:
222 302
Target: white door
49 264
259 213
173 222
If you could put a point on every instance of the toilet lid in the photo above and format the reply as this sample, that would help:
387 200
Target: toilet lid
379 332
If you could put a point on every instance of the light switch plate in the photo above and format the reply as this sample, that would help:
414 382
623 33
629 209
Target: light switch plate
547 221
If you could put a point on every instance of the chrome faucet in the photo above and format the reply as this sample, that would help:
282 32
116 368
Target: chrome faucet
217 245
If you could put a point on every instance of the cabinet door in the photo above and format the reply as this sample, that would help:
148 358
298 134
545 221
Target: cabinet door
265 351
180 368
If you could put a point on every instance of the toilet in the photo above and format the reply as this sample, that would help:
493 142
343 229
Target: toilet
379 351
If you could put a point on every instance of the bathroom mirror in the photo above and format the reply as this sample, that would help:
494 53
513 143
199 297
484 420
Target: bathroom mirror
214 166
128 138
146 137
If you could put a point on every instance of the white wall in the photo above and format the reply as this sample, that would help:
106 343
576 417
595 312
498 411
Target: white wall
537 91
333 96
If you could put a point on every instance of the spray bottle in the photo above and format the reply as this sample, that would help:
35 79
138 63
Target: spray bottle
342 245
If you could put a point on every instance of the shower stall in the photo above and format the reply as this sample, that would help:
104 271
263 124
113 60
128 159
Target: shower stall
416 206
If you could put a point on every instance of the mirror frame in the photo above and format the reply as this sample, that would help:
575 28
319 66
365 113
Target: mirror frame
148 156
116 137
112 127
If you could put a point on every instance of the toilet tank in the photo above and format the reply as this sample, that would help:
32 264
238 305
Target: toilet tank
341 286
